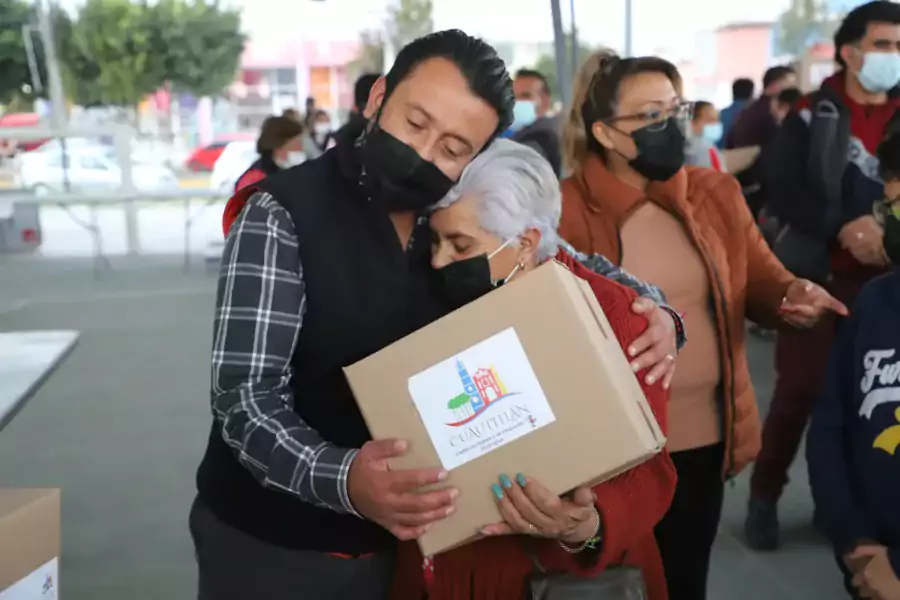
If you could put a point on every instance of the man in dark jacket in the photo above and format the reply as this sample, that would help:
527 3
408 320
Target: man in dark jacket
867 47
533 125
853 446
741 95
356 120
327 263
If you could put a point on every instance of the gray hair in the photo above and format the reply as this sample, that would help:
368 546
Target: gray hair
517 190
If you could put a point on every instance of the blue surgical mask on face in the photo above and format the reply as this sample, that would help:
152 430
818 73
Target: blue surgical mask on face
712 132
524 114
880 71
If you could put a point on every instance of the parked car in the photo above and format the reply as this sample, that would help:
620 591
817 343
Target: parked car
88 168
203 159
235 159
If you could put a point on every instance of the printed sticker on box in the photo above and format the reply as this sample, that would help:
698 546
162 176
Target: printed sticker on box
479 400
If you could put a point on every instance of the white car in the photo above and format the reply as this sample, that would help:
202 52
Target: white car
88 168
231 164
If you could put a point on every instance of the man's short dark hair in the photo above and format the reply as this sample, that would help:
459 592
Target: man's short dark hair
742 89
855 25
478 61
789 96
533 74
698 108
361 90
774 74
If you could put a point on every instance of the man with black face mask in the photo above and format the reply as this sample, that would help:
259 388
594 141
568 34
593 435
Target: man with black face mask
327 263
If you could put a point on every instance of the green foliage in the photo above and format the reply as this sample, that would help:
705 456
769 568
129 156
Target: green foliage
15 75
803 23
116 52
406 21
458 401
200 44
546 64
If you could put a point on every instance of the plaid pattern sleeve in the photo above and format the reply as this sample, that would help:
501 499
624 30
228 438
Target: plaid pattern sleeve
603 266
260 306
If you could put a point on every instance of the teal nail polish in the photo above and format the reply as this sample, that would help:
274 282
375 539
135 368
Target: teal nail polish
498 492
520 479
505 481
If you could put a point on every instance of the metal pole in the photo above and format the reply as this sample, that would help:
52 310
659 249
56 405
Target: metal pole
629 48
36 84
576 62
563 73
58 111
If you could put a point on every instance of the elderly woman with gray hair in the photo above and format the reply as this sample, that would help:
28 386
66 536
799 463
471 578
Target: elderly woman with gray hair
499 222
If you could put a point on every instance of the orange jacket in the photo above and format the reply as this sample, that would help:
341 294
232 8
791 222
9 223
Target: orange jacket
630 505
747 281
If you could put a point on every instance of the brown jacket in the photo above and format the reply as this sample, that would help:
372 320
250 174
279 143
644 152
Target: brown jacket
746 278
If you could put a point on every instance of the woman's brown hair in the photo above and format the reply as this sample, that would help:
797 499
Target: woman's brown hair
276 132
574 142
602 95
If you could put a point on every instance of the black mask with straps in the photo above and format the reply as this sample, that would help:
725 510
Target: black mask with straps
401 180
660 152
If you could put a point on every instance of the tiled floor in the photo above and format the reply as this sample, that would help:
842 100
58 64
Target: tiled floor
121 425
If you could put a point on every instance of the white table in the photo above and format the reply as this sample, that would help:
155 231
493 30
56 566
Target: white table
27 358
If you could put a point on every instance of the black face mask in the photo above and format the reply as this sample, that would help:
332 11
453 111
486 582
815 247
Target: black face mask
660 153
402 179
892 238
465 280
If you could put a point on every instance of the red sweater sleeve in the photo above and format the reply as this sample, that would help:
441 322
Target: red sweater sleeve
632 503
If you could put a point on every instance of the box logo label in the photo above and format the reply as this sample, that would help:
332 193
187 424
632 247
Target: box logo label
494 398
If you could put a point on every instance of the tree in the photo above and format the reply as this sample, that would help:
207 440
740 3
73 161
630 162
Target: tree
803 23
200 44
110 56
15 74
406 21
546 64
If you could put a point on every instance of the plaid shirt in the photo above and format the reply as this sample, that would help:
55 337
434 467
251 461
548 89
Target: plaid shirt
260 305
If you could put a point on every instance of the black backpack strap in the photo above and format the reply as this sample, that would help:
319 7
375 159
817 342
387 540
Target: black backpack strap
829 140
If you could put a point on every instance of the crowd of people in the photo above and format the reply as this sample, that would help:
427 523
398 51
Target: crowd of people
453 177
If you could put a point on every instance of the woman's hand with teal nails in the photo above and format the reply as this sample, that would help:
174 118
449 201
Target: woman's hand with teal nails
531 509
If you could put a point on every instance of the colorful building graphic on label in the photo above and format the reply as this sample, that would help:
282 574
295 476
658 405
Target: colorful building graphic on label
480 390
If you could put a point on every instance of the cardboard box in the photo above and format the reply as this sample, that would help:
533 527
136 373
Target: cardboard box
29 544
529 378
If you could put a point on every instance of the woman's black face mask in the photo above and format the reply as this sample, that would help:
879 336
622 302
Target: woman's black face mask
469 279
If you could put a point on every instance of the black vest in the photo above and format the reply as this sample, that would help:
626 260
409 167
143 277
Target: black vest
362 293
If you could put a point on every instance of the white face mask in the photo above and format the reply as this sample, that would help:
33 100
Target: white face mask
292 160
322 129
880 71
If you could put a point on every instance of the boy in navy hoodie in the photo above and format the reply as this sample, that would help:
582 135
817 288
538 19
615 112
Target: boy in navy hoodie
853 446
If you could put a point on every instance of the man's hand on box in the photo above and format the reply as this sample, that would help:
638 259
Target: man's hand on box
657 347
393 498
531 509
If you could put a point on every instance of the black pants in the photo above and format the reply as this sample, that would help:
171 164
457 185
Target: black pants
687 532
235 566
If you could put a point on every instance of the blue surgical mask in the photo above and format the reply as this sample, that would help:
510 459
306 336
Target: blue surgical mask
880 71
524 114
712 132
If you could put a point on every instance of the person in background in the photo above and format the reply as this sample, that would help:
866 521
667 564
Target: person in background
292 113
867 48
533 125
327 263
280 147
687 230
320 138
500 222
784 103
742 91
310 112
357 119
706 130
853 444
573 139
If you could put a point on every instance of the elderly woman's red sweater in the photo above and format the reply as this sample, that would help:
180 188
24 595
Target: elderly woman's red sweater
631 505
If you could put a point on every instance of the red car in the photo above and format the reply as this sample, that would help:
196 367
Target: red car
23 120
203 158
